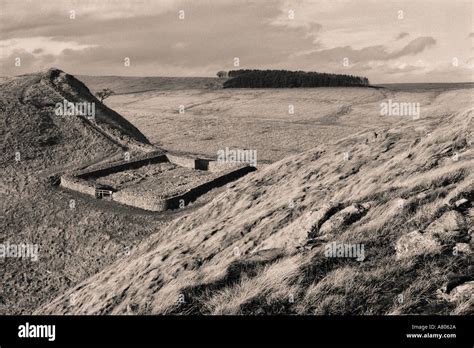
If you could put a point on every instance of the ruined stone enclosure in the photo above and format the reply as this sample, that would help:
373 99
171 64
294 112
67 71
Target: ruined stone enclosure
156 181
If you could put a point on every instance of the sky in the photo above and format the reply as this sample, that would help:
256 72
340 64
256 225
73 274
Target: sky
386 41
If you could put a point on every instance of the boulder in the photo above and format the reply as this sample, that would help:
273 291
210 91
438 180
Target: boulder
344 218
416 243
461 293
463 248
448 228
461 203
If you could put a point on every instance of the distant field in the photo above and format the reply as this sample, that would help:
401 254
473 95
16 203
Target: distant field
419 87
125 84
259 118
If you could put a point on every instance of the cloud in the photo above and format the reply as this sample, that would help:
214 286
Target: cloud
162 44
413 47
309 28
401 35
18 16
370 53
261 34
39 45
403 69
28 62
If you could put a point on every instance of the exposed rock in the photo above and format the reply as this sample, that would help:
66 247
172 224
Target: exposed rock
345 217
416 243
448 228
303 226
266 255
463 248
300 231
372 137
461 203
460 293
449 221
319 217
422 195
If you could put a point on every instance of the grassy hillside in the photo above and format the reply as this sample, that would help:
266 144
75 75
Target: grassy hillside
74 241
260 119
404 193
402 188
126 84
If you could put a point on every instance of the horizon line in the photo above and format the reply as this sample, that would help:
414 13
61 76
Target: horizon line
215 77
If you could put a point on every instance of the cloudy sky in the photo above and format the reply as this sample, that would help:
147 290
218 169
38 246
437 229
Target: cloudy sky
387 41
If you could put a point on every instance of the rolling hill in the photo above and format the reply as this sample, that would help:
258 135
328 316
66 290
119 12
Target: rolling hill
75 236
404 194
136 84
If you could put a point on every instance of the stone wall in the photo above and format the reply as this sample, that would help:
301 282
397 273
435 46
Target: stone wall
215 166
153 157
224 173
174 202
186 162
202 163
139 201
79 185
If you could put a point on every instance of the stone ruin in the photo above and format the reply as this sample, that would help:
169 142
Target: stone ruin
183 180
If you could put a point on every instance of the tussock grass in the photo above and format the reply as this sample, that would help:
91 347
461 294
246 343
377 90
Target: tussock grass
403 193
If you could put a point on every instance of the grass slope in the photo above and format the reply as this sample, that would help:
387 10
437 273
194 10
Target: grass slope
258 248
74 243
259 119
132 84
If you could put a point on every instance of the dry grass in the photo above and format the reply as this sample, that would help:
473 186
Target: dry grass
259 119
258 246
255 216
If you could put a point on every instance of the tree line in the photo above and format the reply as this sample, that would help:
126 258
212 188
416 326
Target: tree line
246 78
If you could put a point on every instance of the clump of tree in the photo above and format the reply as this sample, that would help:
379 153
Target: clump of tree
104 94
290 79
222 74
